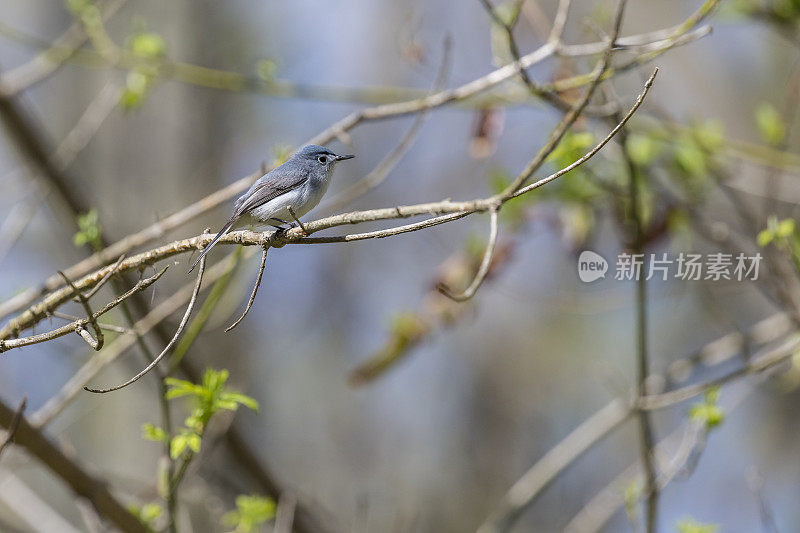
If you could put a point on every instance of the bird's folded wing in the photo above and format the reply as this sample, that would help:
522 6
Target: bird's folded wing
263 192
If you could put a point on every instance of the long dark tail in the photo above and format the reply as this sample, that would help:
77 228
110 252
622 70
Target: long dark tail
225 229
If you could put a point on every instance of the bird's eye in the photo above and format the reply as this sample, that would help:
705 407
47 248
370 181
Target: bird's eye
323 159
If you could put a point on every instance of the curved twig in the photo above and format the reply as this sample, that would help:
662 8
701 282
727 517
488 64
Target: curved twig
444 211
171 343
488 254
255 290
120 345
380 112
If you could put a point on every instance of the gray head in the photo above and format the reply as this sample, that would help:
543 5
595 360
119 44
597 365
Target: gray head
315 157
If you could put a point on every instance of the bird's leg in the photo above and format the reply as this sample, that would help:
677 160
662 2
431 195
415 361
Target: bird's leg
302 227
279 224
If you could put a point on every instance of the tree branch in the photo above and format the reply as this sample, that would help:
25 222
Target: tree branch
172 341
453 210
82 483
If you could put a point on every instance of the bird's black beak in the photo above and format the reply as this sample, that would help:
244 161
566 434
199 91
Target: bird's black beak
343 157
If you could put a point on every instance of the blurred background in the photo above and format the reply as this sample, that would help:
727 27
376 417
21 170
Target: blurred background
487 387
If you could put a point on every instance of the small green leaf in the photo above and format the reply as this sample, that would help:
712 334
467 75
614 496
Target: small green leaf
179 388
154 433
135 91
193 441
708 412
147 45
239 398
150 512
281 152
147 513
770 124
765 237
250 513
89 229
631 496
178 445
785 228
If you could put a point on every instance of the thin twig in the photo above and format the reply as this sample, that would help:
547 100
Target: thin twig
255 289
92 367
211 201
646 432
488 253
107 327
598 146
601 507
8 344
574 112
168 347
448 210
559 24
525 491
755 366
97 342
380 234
105 278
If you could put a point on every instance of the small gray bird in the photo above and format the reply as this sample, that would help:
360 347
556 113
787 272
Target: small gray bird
285 193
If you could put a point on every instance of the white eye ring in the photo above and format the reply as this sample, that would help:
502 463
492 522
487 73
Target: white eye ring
322 159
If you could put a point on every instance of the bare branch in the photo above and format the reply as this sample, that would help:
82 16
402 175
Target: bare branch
573 114
524 492
8 344
107 327
255 289
484 267
448 210
211 201
597 147
559 24
97 342
58 402
754 366
171 343
607 502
